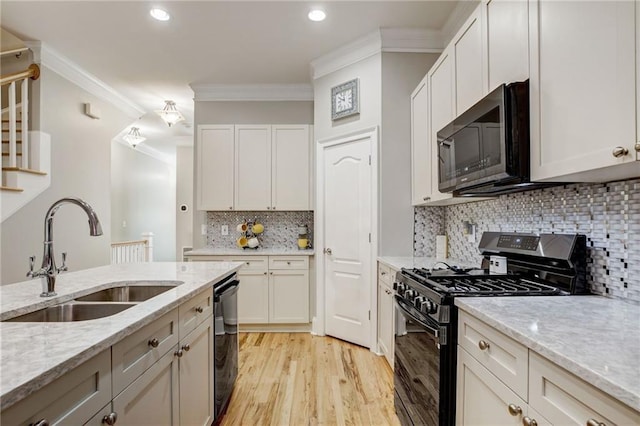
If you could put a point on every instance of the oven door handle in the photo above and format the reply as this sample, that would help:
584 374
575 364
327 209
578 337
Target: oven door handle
430 328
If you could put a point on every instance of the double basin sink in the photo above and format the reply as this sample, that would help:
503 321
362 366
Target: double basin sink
99 304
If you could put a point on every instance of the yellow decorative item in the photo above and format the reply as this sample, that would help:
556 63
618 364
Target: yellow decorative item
242 242
257 228
303 243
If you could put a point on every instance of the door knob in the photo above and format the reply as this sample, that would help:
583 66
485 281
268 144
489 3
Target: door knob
619 151
327 251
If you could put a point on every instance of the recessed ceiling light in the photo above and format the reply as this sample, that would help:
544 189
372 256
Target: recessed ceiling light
160 14
317 15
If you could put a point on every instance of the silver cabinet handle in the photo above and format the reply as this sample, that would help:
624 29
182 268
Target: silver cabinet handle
179 353
594 422
41 422
154 342
514 410
483 345
528 421
186 347
426 198
637 146
383 273
619 151
327 251
110 419
199 309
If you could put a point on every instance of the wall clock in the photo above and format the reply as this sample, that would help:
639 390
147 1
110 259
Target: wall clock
345 99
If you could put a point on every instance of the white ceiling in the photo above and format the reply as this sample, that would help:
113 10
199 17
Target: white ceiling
222 42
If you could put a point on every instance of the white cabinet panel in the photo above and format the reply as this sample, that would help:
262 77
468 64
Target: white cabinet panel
290 174
421 164
506 41
215 160
289 296
469 65
196 376
583 106
195 311
253 297
253 167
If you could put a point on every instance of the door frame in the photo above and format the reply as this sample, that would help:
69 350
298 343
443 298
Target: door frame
318 322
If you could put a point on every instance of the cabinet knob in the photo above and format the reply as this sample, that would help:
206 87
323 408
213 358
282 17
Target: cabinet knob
273 208
619 151
186 347
265 273
41 422
288 263
154 342
483 345
594 422
528 421
268 208
231 208
637 146
110 419
179 353
199 309
426 198
514 410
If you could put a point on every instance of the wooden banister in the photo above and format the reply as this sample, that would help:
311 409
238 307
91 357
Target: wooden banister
32 72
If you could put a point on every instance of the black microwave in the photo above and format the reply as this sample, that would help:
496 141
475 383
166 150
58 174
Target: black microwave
485 150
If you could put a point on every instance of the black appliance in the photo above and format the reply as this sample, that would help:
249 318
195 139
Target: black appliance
426 331
485 150
225 351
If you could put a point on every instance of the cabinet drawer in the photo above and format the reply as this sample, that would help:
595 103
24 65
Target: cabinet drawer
139 351
70 400
193 312
564 399
385 274
252 263
501 355
288 262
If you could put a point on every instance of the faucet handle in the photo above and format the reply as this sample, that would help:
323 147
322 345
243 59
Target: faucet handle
64 263
32 261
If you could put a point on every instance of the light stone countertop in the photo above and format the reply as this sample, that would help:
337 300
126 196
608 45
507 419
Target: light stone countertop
399 262
594 337
34 354
223 251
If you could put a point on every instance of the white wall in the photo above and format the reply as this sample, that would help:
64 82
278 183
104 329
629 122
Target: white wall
143 195
184 195
401 73
245 112
80 167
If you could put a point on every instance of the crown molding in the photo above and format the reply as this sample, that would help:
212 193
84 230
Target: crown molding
408 40
252 92
457 18
74 73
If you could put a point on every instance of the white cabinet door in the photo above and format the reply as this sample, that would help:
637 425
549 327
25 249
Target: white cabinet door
253 297
441 110
421 164
482 399
215 154
506 41
289 296
469 63
196 376
290 172
152 399
386 323
583 58
253 167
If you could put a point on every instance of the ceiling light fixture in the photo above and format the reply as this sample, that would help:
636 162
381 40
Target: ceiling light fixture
134 137
170 114
160 14
317 15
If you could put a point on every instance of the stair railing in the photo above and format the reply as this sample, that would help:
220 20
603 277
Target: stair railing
22 78
133 251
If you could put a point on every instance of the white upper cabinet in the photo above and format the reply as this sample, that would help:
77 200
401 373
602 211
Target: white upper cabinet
420 152
469 63
253 167
215 160
506 41
583 94
290 167
440 82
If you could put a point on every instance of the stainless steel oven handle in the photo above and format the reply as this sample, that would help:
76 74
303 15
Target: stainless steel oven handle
433 331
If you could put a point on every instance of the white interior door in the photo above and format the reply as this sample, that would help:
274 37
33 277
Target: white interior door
347 232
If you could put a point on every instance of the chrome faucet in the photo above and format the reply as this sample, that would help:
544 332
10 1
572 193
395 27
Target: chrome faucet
49 270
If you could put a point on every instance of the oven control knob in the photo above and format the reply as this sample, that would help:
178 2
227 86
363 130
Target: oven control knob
410 294
418 301
399 287
428 307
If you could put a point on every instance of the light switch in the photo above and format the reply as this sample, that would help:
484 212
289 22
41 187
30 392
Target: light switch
203 229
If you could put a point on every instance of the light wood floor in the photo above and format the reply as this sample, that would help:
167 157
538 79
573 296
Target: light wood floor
300 379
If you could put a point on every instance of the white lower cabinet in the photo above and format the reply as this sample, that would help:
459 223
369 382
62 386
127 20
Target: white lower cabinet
550 396
386 312
289 296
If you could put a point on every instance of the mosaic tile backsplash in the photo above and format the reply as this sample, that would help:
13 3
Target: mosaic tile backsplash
608 214
280 228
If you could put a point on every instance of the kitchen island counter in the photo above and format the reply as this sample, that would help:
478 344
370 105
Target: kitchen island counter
223 251
34 354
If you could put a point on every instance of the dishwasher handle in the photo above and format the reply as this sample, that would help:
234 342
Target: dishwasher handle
226 289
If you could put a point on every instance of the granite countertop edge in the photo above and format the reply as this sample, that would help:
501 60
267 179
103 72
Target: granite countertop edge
24 361
582 368
217 251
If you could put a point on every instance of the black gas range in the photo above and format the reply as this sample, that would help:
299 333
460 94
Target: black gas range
426 330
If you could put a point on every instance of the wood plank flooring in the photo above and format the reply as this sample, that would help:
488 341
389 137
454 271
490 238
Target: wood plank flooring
300 379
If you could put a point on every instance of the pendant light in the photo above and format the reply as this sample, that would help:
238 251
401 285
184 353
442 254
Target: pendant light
134 137
170 114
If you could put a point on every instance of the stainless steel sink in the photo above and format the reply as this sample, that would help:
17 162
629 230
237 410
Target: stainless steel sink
73 312
127 293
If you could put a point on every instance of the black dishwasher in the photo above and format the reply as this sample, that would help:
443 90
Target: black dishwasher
225 351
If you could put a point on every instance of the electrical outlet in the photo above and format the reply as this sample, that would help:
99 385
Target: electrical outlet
224 229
